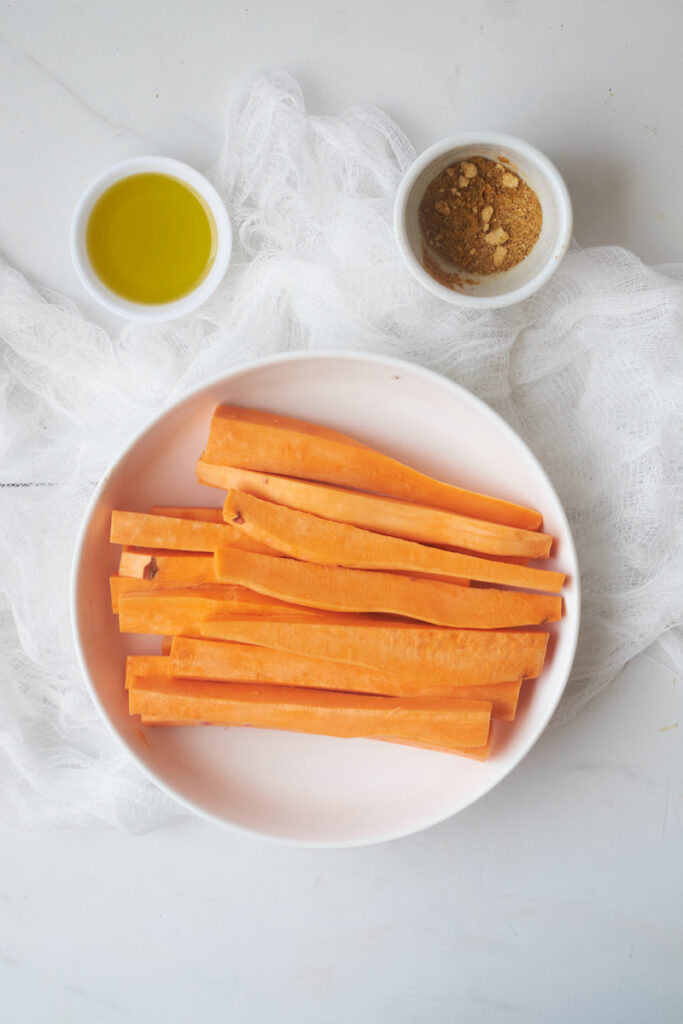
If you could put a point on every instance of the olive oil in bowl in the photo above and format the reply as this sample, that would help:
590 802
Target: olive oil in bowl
151 238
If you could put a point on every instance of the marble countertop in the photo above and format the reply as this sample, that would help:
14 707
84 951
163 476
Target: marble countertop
559 896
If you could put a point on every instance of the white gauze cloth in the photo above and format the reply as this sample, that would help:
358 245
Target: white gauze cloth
589 371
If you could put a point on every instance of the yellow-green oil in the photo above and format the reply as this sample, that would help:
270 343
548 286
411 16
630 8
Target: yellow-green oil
150 238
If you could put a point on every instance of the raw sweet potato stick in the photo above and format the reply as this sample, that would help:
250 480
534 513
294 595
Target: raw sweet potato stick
473 657
176 611
312 539
390 516
140 529
269 443
442 722
355 590
177 567
247 663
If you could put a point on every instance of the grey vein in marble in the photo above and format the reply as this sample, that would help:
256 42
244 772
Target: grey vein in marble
46 73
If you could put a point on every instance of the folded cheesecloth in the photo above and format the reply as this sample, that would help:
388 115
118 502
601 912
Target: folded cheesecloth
589 371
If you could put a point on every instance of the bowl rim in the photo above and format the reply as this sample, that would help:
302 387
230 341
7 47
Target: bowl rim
513 145
389 362
152 312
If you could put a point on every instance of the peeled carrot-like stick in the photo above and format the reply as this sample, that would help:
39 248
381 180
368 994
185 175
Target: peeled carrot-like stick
512 559
193 658
265 442
453 580
119 585
140 529
246 663
183 611
167 601
473 753
442 722
139 666
389 516
166 643
355 590
472 657
312 539
206 515
179 567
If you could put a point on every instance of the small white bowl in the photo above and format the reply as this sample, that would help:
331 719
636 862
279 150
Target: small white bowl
151 311
508 286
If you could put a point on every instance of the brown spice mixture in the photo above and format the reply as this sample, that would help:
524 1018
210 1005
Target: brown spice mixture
480 216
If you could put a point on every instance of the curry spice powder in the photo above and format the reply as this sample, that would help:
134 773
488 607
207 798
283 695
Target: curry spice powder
480 216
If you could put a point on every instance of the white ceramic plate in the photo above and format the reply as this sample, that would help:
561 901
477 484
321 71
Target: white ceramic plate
312 790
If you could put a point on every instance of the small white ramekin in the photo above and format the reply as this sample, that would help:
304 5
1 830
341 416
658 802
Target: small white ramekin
508 286
151 311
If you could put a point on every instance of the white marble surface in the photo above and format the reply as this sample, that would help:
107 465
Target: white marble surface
559 896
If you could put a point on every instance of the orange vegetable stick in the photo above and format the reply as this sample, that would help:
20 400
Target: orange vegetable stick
140 529
474 753
312 539
438 721
355 590
119 585
211 599
268 443
139 666
206 515
452 580
472 657
512 559
166 643
179 567
184 568
183 611
154 721
383 515
144 665
246 663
